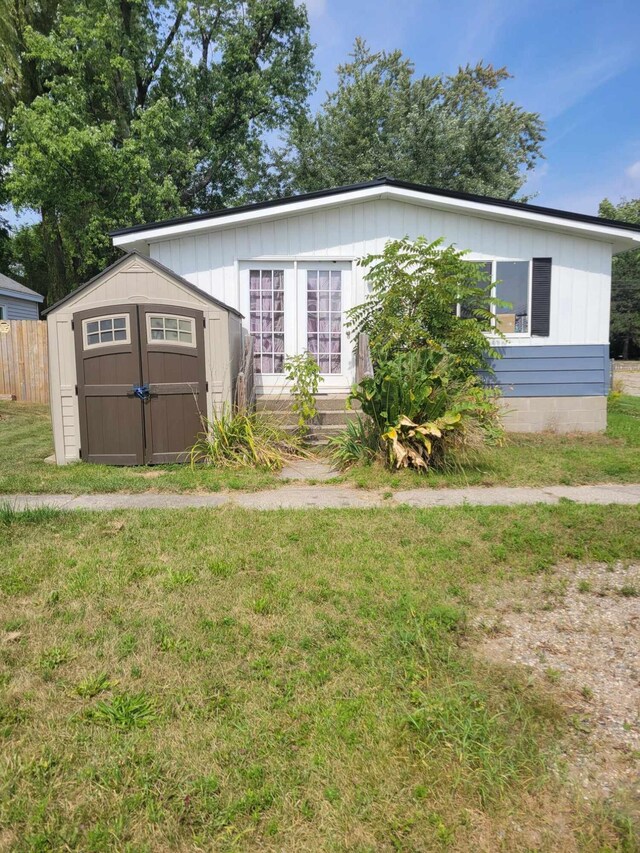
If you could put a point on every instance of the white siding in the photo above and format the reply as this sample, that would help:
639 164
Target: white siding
581 275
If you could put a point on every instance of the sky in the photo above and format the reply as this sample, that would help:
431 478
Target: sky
576 62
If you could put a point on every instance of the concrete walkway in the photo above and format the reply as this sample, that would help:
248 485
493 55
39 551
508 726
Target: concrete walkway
340 497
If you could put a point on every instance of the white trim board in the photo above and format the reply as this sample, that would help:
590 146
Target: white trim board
621 239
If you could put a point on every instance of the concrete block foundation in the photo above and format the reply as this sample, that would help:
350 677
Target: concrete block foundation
554 414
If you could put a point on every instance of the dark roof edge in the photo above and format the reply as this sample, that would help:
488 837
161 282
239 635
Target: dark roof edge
160 267
381 182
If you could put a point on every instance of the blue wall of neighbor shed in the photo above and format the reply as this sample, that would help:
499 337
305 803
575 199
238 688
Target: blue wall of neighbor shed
552 371
19 309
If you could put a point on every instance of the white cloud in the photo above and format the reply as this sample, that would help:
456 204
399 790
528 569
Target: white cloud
633 171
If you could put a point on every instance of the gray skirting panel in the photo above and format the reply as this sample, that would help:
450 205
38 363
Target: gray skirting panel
580 370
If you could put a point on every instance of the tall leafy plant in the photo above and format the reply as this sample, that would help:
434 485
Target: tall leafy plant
303 373
424 415
415 288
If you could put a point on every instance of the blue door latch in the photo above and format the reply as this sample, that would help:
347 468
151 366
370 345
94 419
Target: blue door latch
141 392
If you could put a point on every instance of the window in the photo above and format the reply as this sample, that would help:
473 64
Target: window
170 329
511 283
324 318
106 330
512 286
2 317
266 319
484 279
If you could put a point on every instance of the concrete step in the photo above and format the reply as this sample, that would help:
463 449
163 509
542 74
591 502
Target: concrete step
317 434
324 403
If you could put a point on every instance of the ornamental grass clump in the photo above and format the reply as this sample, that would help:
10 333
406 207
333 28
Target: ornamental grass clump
244 439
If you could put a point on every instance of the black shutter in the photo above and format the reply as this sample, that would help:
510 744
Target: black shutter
540 296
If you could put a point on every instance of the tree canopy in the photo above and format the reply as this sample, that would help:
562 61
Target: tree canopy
625 285
117 112
123 111
455 132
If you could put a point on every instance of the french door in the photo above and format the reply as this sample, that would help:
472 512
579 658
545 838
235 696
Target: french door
324 291
291 308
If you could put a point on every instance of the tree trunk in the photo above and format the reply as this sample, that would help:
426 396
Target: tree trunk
58 285
625 347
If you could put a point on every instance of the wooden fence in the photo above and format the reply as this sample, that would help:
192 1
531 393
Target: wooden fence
24 366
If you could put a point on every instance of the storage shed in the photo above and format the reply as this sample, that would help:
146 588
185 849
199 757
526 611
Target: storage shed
136 356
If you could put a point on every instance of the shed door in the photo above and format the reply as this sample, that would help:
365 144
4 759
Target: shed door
157 349
108 365
173 366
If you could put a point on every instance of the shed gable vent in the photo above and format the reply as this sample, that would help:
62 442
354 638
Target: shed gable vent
541 297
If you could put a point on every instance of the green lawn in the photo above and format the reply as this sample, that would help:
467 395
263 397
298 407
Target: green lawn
538 460
300 681
25 440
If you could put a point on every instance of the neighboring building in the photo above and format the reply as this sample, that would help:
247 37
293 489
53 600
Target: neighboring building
290 267
18 302
138 353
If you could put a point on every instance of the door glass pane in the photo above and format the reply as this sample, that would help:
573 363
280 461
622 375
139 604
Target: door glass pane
266 319
324 318
512 285
105 330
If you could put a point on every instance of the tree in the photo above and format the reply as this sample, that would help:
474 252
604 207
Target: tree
454 132
625 283
141 110
414 288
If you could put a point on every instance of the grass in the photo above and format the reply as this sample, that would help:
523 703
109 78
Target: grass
26 440
525 460
229 680
536 460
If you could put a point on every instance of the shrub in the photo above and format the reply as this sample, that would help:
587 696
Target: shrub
303 373
244 439
424 416
414 290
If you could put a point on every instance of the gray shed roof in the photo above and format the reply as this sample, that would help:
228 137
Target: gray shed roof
13 288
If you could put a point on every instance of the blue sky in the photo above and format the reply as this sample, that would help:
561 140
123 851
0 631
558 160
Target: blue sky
576 62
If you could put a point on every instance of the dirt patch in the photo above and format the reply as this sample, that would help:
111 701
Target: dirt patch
579 631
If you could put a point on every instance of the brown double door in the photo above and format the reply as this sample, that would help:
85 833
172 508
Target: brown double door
141 382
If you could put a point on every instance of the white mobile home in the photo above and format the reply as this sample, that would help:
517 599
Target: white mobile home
287 270
289 266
